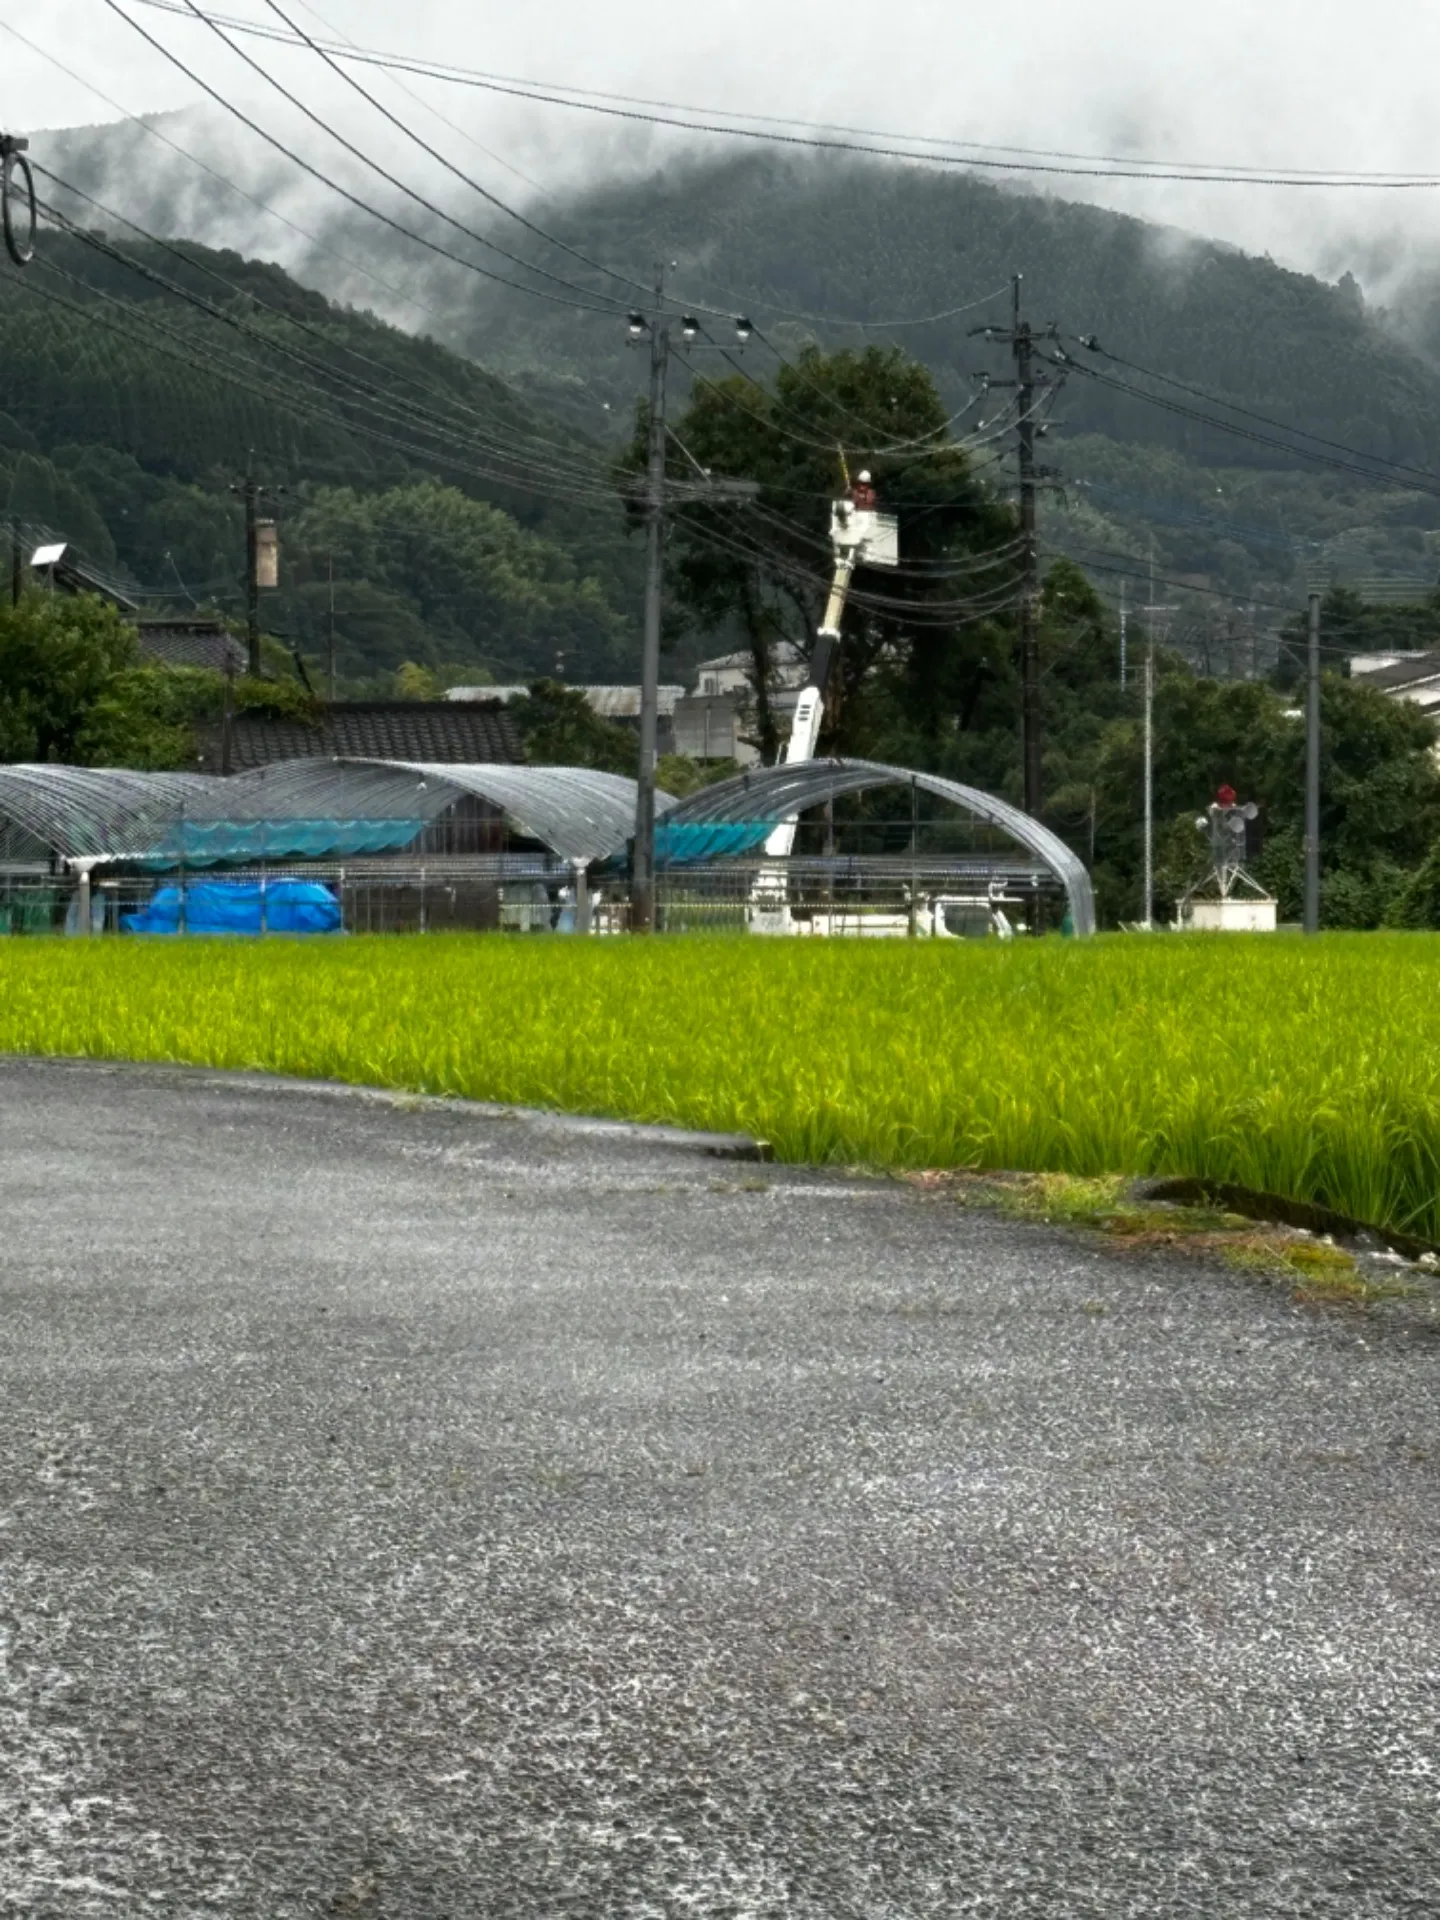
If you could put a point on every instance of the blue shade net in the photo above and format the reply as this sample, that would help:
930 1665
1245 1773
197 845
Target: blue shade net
203 843
687 841
240 906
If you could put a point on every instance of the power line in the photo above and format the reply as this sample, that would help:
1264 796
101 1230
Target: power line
396 226
1371 473
320 408
153 132
434 112
395 411
964 154
189 260
459 172
1265 419
384 173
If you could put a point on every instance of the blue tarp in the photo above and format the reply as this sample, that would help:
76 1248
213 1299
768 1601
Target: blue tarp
202 843
240 906
676 845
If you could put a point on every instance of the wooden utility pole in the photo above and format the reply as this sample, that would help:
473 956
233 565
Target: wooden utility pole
331 569
252 580
261 562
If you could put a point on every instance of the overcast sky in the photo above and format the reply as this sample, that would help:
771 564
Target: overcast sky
1296 83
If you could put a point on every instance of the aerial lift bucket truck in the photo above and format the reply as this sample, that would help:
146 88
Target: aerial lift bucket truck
859 536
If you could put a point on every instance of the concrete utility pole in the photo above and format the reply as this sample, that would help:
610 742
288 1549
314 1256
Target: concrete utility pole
642 868
1312 773
1124 611
1152 614
1021 338
1149 883
1022 345
642 899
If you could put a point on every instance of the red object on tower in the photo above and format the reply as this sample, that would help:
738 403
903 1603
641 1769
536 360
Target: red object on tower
1226 796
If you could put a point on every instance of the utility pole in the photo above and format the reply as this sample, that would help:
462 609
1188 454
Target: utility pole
1123 612
252 580
1149 902
1022 345
642 897
17 564
642 870
1021 339
1152 613
1312 773
330 563
261 563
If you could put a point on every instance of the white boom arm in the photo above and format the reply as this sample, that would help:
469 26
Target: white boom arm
858 534
810 707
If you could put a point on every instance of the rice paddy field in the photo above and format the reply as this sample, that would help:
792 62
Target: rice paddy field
1310 1069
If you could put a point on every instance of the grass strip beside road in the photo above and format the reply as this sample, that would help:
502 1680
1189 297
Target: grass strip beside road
1310 1069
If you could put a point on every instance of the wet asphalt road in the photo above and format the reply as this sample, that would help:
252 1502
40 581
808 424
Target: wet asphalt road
409 1512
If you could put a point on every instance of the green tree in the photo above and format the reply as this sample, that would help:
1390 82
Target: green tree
1415 903
1380 791
146 716
561 729
58 655
919 658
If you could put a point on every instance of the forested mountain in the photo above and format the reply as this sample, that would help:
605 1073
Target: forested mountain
1232 520
400 472
803 247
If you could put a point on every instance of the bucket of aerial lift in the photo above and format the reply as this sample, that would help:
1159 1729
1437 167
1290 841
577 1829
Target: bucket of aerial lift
873 537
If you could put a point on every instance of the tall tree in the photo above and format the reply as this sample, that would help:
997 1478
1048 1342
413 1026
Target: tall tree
921 641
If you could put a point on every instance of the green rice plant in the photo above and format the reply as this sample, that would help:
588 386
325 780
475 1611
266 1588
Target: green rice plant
1308 1068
